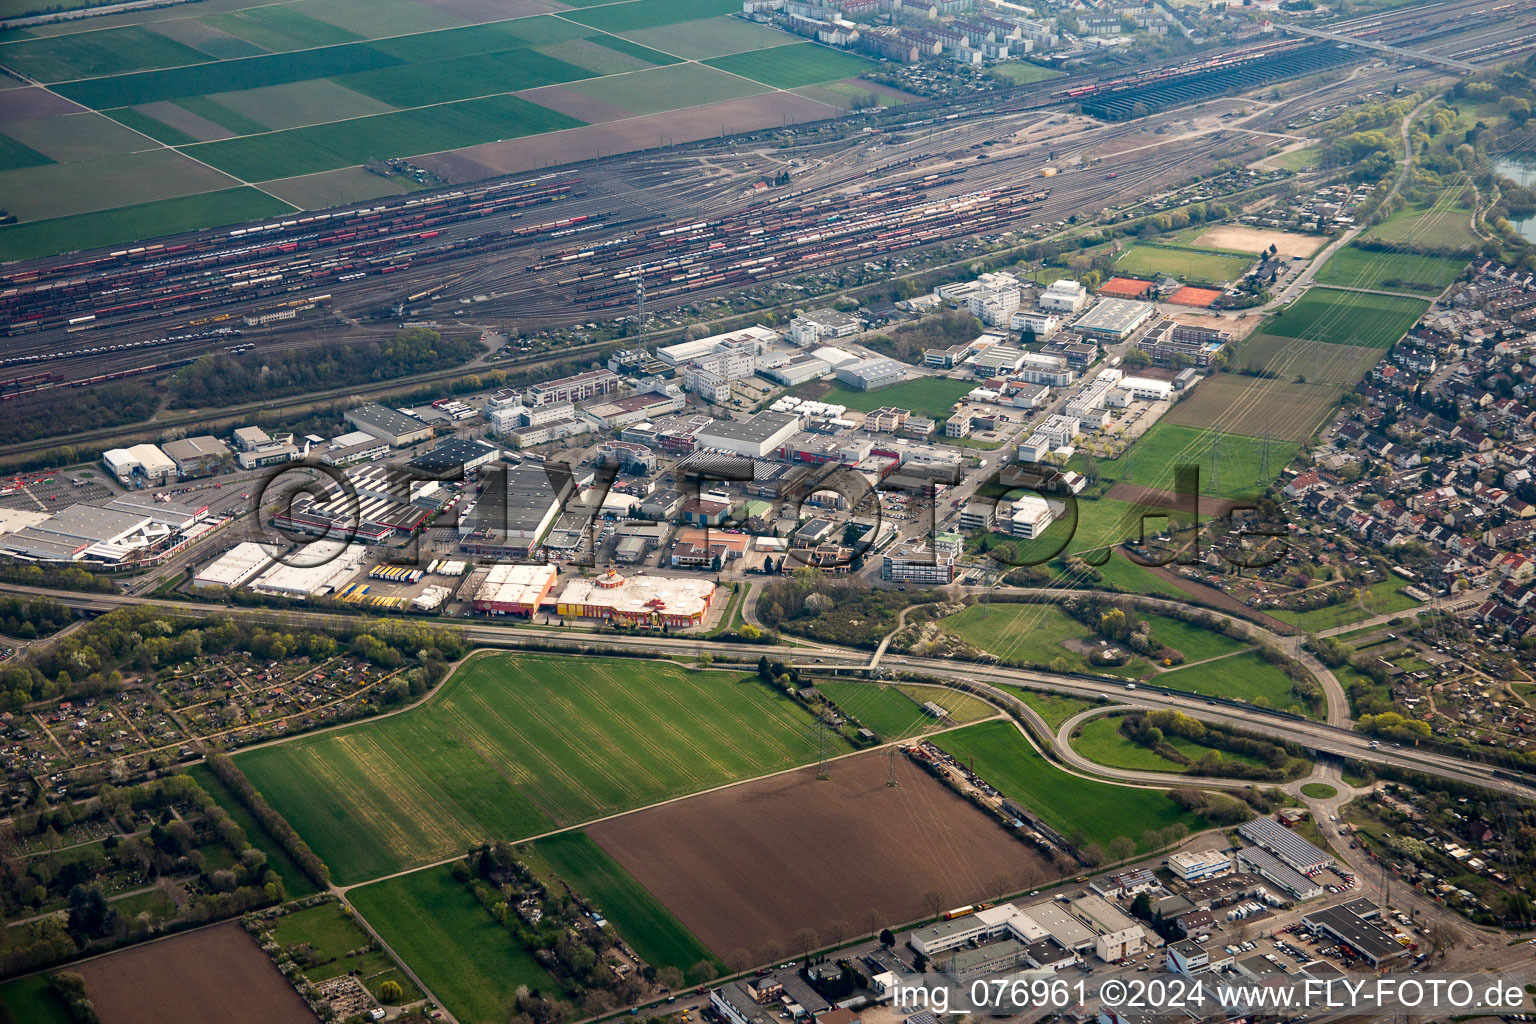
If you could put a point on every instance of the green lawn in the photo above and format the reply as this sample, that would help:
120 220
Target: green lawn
1346 318
794 65
1194 642
31 1001
1390 271
1101 741
1052 707
1384 598
295 882
137 223
1203 266
1031 633
962 707
1099 811
1319 790
925 396
1021 72
512 746
1303 159
1245 677
1444 225
331 932
650 928
1151 461
470 962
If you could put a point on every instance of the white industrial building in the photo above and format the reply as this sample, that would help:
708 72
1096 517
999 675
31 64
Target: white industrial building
1037 322
1030 516
757 339
756 437
870 374
313 569
1196 865
236 566
809 328
990 923
993 306
1064 296
142 461
1145 389
1115 319
1039 368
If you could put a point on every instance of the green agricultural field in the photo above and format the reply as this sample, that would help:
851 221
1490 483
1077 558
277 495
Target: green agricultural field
1195 643
1354 267
331 933
1384 598
154 128
1098 812
1318 362
513 746
13 155
1100 740
210 109
885 709
1245 677
381 17
146 220
641 920
669 88
415 85
1346 318
226 75
111 51
1022 72
295 882
643 14
1199 265
424 130
925 396
711 37
1032 634
1151 461
278 27
1442 225
435 924
786 67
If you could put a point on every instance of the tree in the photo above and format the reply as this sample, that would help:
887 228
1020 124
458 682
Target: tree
804 940
90 915
933 899
1443 937
670 977
886 937
391 992
1122 848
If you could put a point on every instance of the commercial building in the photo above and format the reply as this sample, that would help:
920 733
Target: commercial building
1196 865
651 601
144 462
196 456
254 449
1030 516
985 924
736 1002
1174 344
511 589
1064 296
1062 926
1119 944
685 352
1270 868
1370 940
1284 843
578 388
388 424
237 566
925 568
1042 324
1147 389
353 447
871 374
998 361
1114 319
809 328
755 438
1187 957
1042 368
315 569
86 532
453 457
513 520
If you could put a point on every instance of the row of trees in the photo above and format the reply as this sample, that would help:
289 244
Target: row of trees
308 861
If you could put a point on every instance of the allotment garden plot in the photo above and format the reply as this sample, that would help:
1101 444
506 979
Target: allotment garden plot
515 746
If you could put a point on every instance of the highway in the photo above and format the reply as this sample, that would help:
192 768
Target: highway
985 680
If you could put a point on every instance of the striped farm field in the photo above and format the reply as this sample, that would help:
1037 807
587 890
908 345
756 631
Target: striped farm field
512 747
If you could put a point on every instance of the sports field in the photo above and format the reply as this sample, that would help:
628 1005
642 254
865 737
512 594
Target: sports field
1354 267
268 93
1346 318
1252 405
1097 812
925 396
433 922
1152 460
641 920
513 746
1202 265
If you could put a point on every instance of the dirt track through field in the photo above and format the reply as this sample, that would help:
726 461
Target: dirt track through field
745 868
215 974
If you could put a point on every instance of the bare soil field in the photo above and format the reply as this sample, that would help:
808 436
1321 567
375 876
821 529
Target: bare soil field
1256 240
1251 405
215 974
1160 498
331 188
583 108
514 156
33 101
745 867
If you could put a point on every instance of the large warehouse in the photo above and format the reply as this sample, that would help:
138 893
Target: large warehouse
755 438
237 565
873 373
388 424
638 600
510 589
1284 843
1114 319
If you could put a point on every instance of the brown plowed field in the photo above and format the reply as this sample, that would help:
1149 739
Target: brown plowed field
216 974
745 867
